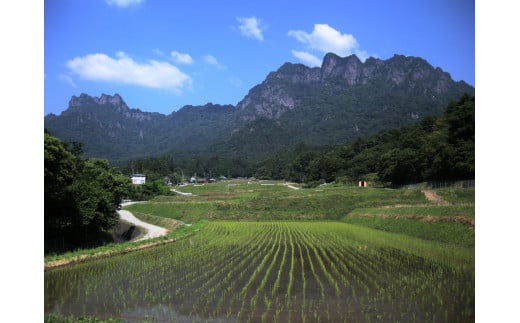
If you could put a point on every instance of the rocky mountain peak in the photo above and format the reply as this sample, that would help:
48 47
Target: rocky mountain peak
110 104
81 100
349 68
282 90
112 99
85 99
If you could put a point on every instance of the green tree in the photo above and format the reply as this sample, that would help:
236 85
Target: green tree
81 196
60 170
97 191
399 166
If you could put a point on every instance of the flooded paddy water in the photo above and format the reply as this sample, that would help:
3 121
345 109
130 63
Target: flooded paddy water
266 271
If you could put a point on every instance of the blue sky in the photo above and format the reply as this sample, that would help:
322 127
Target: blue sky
162 55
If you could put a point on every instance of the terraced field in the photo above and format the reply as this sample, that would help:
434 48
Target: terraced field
276 271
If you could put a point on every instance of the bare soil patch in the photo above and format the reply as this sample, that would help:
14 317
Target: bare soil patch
434 198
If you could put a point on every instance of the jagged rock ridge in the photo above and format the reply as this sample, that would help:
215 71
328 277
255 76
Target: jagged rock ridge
332 104
277 95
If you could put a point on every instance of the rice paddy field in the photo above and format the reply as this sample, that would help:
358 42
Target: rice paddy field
267 253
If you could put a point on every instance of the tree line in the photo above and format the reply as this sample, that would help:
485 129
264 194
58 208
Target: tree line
81 195
436 148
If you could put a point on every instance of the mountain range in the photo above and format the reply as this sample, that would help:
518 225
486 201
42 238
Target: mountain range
342 100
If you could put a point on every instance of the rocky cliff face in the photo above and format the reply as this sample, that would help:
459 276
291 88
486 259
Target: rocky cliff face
286 89
398 70
114 103
349 69
85 99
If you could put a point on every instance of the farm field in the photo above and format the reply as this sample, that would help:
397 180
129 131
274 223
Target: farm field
268 253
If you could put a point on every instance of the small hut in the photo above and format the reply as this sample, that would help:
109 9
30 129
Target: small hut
363 184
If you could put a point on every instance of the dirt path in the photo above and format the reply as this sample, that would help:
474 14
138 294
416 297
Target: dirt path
289 185
434 198
152 231
181 193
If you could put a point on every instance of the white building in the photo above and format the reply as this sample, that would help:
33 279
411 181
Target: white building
138 179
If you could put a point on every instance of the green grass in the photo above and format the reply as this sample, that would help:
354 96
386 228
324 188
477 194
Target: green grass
186 211
457 195
451 224
447 232
239 200
123 247
371 246
435 250
467 211
397 211
57 318
243 200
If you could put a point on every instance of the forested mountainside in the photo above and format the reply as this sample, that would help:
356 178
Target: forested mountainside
437 148
340 101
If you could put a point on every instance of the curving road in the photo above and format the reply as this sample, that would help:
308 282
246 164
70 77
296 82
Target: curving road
152 231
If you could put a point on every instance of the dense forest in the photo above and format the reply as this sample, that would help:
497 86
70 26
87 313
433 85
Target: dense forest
436 148
82 195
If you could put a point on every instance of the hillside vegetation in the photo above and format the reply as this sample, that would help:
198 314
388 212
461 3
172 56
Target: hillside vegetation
334 104
438 148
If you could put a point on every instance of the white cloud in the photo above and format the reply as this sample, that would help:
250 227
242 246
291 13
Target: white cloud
307 58
123 69
124 3
212 60
250 27
182 58
326 39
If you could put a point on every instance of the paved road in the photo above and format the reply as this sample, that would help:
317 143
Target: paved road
152 231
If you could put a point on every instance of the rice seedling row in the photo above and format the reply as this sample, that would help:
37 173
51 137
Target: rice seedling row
266 272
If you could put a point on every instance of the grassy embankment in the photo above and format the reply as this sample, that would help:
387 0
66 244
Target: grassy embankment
398 211
112 249
363 215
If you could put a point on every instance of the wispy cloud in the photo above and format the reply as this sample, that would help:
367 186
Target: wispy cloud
212 60
67 79
124 3
325 39
307 58
250 27
158 52
181 58
123 69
